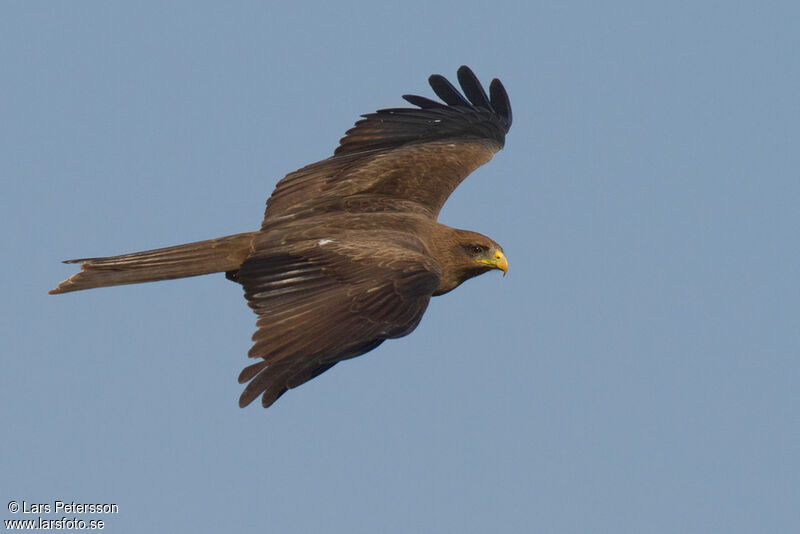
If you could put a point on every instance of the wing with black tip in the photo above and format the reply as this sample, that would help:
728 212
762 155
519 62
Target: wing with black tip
405 159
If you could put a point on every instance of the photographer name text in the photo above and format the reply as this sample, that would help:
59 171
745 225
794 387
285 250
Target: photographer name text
58 507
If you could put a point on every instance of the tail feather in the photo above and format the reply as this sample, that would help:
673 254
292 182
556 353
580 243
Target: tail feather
192 259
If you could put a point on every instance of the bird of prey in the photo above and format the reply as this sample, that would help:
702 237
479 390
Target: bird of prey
350 251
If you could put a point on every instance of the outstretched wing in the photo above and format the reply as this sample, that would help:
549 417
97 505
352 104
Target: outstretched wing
402 159
323 301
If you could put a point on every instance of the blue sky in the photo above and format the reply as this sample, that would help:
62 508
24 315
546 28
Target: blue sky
636 371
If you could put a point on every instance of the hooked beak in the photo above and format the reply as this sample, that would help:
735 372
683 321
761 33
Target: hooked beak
497 261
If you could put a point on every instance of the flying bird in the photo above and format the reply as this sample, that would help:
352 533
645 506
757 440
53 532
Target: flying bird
350 251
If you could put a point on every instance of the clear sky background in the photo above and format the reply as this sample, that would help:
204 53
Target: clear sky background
636 371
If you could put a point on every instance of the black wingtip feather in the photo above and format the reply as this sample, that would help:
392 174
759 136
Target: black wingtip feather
422 102
472 88
472 114
445 90
500 101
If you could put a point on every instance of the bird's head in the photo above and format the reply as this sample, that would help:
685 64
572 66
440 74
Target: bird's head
468 254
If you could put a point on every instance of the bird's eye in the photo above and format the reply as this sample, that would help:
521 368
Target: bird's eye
476 249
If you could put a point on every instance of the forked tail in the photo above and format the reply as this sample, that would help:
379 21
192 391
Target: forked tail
192 259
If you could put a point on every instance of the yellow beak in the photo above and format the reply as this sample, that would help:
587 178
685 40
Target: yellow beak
499 261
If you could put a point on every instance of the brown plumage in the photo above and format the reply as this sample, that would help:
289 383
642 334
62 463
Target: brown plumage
349 252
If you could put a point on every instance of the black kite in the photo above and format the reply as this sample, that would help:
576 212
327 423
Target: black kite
350 252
